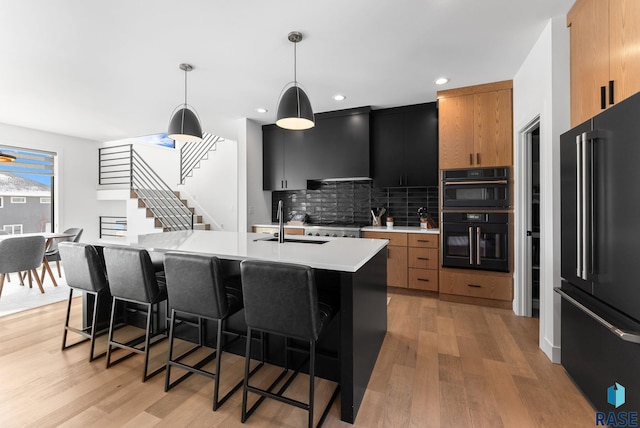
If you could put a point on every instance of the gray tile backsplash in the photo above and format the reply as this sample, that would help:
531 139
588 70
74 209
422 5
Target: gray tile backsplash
348 202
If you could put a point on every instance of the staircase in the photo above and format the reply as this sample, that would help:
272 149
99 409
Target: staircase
163 217
164 210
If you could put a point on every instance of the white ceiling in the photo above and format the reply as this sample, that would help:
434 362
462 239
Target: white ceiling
108 70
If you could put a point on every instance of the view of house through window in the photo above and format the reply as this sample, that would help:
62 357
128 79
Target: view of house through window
26 191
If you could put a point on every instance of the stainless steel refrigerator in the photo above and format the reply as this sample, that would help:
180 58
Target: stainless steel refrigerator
600 194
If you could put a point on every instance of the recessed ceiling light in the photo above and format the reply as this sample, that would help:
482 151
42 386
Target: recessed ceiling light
441 80
339 97
261 110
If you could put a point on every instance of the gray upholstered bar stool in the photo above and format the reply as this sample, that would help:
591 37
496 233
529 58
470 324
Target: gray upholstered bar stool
282 299
84 271
132 278
197 290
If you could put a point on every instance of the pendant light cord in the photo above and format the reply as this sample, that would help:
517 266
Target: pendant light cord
295 62
185 86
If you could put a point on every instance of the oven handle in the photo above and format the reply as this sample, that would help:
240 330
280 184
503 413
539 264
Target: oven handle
628 336
478 245
457 183
470 245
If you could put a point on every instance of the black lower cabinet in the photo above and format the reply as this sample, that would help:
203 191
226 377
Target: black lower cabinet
597 358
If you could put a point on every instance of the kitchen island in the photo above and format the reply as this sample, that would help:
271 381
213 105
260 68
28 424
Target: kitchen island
354 270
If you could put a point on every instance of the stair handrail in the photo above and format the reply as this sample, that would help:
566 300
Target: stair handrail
158 196
123 165
192 153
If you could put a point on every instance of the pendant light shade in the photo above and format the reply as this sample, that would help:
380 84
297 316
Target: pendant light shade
294 107
184 125
294 110
6 158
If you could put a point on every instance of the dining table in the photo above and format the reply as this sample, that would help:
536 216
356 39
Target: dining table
48 240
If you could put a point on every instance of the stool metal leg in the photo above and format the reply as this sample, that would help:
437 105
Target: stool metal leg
312 378
66 320
246 375
170 353
110 337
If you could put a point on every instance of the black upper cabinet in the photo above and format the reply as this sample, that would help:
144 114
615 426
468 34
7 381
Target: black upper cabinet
404 146
337 147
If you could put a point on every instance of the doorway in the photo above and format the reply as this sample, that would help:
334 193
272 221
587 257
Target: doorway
529 266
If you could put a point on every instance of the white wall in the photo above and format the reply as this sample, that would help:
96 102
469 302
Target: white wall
213 188
541 88
77 175
258 201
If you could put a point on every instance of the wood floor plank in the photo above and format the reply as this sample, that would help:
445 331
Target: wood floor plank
442 364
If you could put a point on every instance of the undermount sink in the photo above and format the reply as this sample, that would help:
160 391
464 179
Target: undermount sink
298 241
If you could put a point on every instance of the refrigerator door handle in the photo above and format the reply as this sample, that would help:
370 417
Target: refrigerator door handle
470 245
585 206
627 336
478 245
579 206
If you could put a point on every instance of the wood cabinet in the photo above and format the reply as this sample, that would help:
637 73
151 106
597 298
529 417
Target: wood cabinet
423 261
476 126
396 256
274 229
412 260
337 147
472 286
404 146
605 65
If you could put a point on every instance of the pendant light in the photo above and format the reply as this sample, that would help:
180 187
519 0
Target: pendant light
6 158
184 125
294 108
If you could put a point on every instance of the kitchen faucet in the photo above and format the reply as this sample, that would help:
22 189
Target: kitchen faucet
280 223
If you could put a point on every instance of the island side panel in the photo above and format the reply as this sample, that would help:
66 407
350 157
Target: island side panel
364 325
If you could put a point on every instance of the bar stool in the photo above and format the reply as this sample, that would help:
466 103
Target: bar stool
85 272
282 299
132 279
197 289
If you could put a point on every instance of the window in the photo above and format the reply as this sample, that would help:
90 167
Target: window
13 229
27 186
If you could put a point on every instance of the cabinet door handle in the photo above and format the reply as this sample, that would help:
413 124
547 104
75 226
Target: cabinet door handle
474 286
423 279
603 96
470 158
423 258
282 184
611 101
285 184
477 158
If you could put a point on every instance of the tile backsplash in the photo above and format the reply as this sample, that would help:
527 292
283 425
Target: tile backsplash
347 202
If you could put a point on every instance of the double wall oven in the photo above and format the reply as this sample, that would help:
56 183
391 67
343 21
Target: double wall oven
475 219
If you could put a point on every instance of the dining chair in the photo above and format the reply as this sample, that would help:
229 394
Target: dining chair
53 254
3 232
22 253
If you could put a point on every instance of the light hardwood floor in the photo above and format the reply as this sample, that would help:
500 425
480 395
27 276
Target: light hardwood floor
442 365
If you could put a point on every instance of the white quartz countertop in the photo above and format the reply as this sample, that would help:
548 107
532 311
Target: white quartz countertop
400 229
339 254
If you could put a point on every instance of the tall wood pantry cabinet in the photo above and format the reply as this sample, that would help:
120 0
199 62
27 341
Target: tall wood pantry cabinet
605 64
476 126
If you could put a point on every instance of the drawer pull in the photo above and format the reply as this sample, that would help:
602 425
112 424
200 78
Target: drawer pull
423 279
423 258
423 240
474 286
